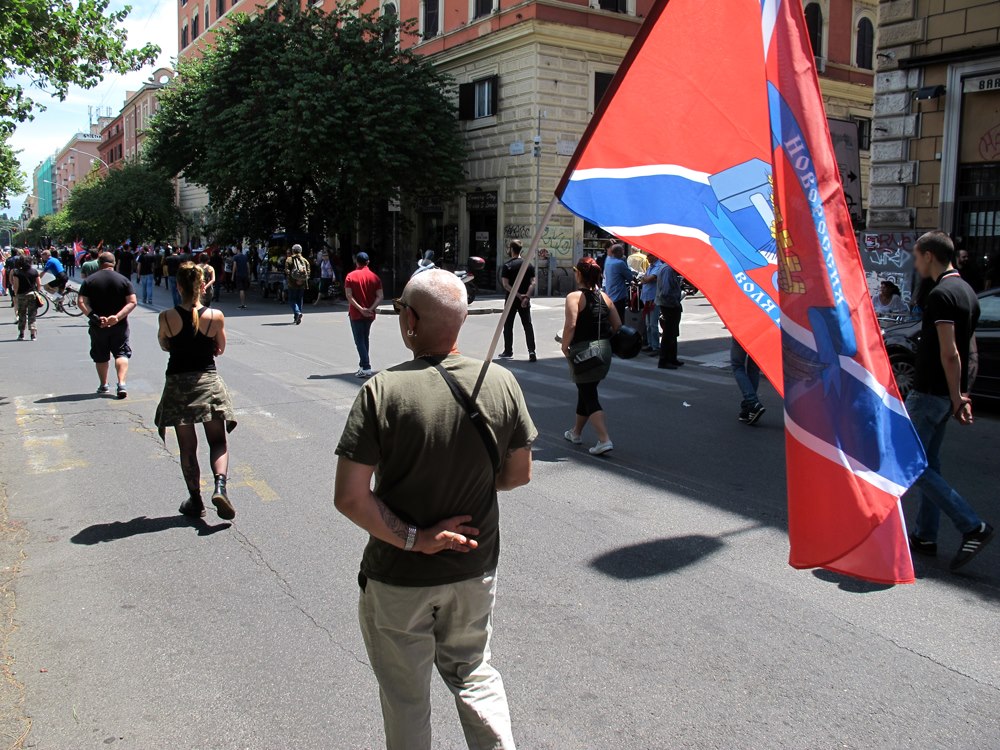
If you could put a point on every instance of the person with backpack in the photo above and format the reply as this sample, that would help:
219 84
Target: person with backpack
297 271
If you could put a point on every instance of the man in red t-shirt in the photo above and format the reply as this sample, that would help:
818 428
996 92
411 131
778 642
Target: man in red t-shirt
364 294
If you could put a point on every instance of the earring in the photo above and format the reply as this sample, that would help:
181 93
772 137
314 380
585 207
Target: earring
411 333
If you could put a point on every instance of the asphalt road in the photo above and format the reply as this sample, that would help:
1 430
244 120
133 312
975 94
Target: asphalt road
644 598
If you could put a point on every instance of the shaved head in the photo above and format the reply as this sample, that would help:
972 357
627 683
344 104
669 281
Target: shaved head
441 301
439 289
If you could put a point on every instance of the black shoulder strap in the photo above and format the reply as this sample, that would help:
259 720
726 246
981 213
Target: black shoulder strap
472 411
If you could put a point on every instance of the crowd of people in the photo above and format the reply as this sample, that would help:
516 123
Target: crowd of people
427 582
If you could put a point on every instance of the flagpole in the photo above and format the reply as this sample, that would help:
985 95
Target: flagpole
515 285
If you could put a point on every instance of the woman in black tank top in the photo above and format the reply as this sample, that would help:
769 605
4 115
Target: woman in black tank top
591 319
193 392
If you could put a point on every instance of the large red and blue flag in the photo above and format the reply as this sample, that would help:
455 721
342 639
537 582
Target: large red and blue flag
711 151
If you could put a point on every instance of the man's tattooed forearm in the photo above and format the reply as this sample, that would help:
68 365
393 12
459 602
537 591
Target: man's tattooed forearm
391 520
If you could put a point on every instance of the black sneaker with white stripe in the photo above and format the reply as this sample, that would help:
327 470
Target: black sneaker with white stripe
972 545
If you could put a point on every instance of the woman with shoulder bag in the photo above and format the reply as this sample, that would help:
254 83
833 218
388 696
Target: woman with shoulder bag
591 319
193 391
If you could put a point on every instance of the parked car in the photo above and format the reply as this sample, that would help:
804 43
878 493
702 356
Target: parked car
901 339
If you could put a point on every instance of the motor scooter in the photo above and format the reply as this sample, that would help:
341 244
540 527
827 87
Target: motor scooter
466 275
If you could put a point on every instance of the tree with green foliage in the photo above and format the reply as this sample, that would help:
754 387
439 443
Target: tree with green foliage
134 202
52 45
302 119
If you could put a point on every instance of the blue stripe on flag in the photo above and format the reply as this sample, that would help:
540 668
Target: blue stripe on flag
639 201
853 418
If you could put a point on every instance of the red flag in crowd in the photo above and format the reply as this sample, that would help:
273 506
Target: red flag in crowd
711 151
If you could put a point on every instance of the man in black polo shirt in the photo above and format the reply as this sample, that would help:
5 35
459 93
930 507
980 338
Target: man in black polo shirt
946 355
522 305
125 261
107 298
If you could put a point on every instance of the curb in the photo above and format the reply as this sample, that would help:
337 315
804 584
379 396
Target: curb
388 310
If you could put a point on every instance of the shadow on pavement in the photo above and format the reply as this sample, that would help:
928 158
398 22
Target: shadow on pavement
70 397
347 377
110 532
851 585
655 558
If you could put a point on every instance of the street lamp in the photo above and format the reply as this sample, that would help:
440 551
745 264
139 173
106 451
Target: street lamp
92 157
58 185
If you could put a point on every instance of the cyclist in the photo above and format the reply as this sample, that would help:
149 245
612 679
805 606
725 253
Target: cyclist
54 266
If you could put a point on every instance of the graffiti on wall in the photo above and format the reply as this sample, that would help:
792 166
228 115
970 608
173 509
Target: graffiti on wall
557 241
887 257
517 232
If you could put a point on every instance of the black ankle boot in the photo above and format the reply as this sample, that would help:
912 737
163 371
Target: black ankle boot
220 499
193 507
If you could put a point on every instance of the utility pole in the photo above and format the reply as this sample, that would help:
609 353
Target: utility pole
537 152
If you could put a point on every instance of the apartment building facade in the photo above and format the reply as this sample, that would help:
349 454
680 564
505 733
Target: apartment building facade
936 132
73 163
530 75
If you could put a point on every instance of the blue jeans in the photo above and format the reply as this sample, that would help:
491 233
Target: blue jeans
296 296
746 373
652 315
172 286
146 284
930 415
361 330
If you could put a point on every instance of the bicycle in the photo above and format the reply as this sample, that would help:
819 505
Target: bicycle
67 304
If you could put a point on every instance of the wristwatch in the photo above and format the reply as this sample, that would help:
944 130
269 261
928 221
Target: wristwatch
411 538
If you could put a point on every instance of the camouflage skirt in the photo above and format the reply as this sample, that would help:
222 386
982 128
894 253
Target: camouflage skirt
193 398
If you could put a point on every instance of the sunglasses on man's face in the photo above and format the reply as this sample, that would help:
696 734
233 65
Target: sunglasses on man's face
401 305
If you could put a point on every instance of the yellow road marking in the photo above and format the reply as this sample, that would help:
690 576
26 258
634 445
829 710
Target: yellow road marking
247 478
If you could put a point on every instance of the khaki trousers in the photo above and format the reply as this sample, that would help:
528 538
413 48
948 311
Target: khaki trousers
407 631
27 307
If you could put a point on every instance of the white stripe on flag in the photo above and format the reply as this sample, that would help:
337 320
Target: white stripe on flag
837 456
648 229
646 170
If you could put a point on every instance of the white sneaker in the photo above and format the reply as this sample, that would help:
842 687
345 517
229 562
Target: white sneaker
572 437
601 448
366 373
360 373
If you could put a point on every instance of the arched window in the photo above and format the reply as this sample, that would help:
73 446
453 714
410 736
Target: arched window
814 23
184 36
194 26
389 11
865 44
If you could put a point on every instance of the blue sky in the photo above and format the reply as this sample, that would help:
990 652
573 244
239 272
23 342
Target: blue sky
150 21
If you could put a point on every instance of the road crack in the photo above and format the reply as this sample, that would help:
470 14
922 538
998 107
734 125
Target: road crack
258 558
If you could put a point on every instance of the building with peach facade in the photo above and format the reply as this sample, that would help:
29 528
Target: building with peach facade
529 77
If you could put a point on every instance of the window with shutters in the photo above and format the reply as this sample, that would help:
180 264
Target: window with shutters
481 8
601 83
814 25
865 44
478 99
615 6
864 133
431 19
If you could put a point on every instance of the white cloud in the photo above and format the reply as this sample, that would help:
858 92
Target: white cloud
150 21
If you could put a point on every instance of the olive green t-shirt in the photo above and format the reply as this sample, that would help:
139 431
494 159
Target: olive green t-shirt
430 462
90 267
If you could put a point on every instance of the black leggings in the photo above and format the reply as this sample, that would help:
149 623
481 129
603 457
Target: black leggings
586 399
